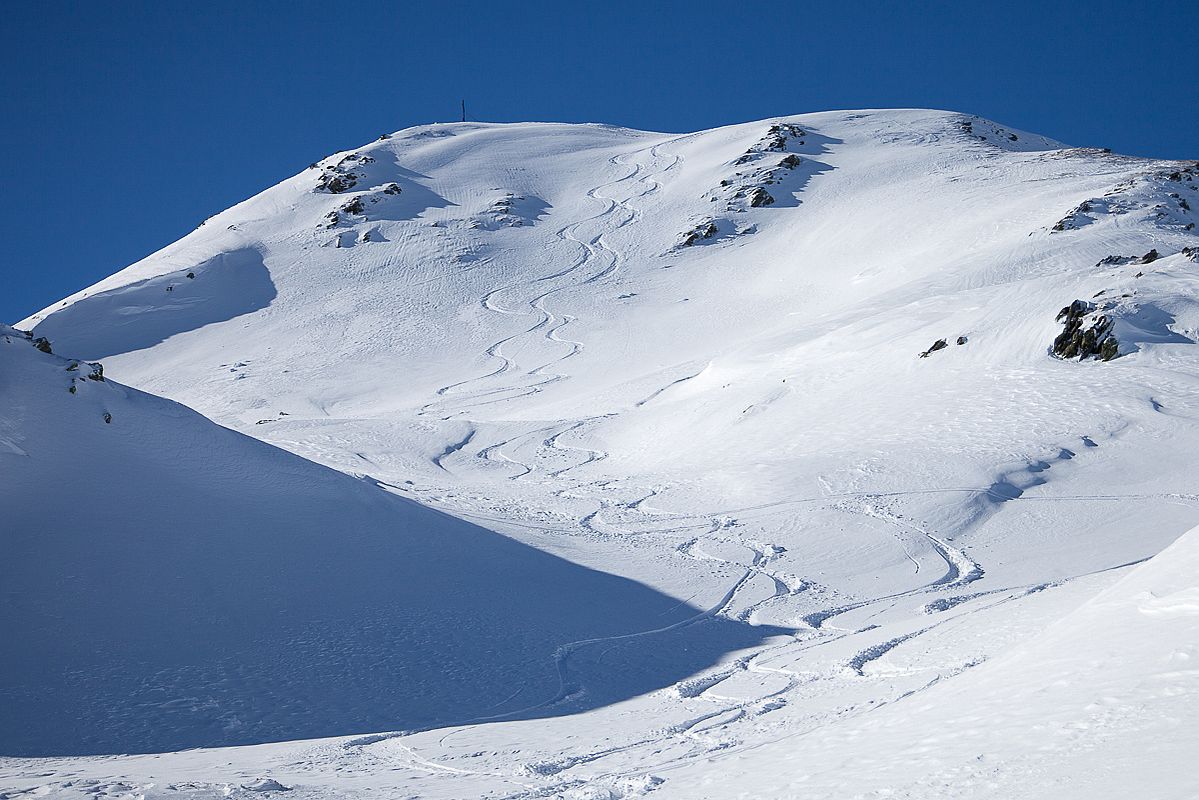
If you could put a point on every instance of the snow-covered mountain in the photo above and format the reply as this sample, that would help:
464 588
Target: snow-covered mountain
865 399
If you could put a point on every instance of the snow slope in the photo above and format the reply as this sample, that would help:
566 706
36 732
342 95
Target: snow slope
1099 705
169 583
695 361
1102 704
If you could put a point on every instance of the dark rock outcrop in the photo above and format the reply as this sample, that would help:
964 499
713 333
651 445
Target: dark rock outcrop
777 135
940 344
337 183
341 177
1075 219
759 197
1085 335
704 230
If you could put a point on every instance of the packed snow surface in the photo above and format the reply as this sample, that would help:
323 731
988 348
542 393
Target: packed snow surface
576 461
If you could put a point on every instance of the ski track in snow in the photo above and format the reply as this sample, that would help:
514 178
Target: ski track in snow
476 392
596 261
592 250
728 712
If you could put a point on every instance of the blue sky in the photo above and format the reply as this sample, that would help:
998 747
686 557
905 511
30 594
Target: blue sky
128 123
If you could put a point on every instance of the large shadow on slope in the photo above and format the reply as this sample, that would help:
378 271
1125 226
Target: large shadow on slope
197 588
414 199
149 311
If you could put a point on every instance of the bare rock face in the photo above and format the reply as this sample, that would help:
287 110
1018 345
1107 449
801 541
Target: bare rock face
1086 334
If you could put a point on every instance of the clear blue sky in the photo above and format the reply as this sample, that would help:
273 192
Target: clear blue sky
127 123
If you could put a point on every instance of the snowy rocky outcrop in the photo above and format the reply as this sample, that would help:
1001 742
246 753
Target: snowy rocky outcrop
703 230
76 370
342 175
748 188
508 210
990 133
1087 334
359 207
770 171
1165 195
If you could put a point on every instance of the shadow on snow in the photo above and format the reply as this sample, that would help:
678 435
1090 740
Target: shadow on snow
224 592
150 311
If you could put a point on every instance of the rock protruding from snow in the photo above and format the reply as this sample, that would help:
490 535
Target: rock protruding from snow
342 175
746 189
940 344
705 229
1086 334
1162 195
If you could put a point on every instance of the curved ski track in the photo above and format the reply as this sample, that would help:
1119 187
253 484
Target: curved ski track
510 380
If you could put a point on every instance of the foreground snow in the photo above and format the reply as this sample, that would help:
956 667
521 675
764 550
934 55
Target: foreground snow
836 559
1096 706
